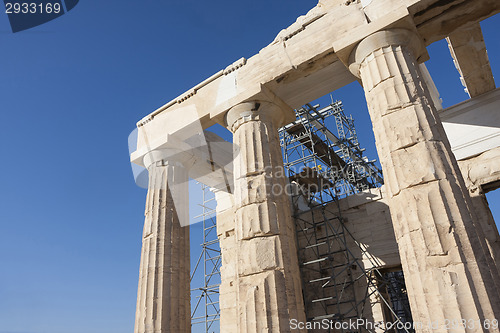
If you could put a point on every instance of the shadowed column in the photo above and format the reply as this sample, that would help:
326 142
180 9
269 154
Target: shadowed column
163 297
268 289
480 172
448 269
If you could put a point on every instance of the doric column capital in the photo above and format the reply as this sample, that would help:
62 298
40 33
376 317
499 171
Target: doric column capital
254 110
385 38
169 156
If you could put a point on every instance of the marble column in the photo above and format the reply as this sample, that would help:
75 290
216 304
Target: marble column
448 269
488 225
478 172
267 279
163 297
229 258
486 222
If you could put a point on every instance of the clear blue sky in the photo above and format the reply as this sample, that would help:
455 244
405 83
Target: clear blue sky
71 91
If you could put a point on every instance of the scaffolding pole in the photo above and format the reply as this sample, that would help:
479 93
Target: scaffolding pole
205 310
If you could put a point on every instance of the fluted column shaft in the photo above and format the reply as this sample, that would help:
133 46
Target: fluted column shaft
487 223
448 269
163 298
475 171
268 287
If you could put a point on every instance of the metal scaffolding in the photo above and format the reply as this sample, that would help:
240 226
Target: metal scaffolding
332 271
325 167
332 162
206 309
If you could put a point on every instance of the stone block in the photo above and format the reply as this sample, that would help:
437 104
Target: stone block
259 254
259 219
